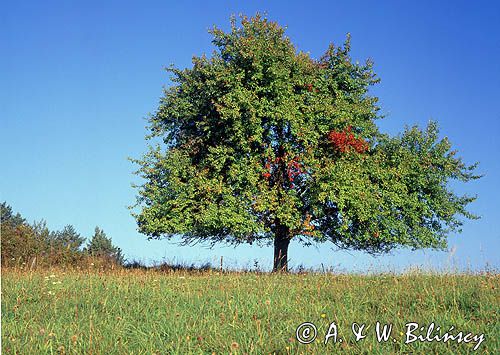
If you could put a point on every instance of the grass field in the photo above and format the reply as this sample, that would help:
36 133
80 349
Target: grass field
151 312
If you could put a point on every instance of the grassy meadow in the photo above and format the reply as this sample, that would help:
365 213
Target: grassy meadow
152 312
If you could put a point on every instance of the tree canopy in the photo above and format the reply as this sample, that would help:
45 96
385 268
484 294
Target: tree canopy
29 245
33 244
262 143
101 246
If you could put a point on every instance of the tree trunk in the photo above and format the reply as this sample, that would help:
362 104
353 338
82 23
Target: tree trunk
281 242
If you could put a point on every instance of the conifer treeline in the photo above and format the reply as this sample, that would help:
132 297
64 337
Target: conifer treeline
33 244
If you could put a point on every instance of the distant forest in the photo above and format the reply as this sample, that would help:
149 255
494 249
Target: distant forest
30 245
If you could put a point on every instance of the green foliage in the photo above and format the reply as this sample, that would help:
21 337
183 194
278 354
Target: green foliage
34 244
7 216
20 241
246 155
20 244
68 238
102 247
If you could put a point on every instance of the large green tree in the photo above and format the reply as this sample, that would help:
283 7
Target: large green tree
262 143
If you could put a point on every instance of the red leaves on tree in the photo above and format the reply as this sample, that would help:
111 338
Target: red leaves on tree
310 88
267 174
293 168
345 141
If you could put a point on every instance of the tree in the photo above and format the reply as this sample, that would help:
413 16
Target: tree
21 242
68 238
261 143
66 246
7 216
101 246
17 237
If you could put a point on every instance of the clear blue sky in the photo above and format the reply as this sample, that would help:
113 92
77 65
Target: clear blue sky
78 79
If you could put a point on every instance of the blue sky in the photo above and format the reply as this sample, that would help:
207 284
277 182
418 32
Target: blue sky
79 78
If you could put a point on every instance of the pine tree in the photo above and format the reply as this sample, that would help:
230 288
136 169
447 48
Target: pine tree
101 246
